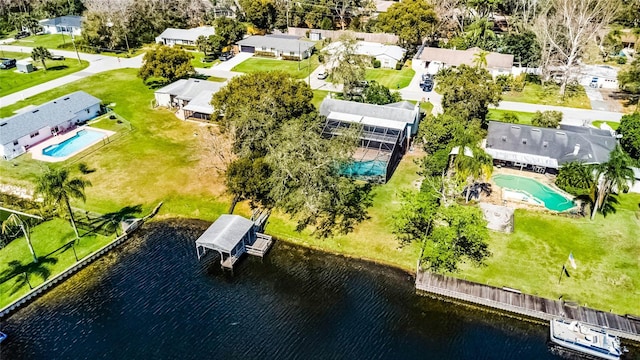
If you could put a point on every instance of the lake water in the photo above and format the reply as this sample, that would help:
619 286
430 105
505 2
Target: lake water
152 299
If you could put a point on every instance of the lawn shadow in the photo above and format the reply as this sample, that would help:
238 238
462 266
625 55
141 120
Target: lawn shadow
18 269
57 67
111 222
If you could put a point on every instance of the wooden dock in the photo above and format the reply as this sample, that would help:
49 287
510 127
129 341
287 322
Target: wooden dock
512 300
260 246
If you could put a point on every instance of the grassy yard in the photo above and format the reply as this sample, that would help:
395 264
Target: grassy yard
318 96
49 41
49 240
523 116
12 81
391 78
606 251
426 107
297 69
538 94
165 159
197 60
614 125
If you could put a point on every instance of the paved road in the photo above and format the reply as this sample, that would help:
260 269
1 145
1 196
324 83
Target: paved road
97 64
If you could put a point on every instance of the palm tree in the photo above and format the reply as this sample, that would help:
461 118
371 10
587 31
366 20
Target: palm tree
479 33
58 188
612 176
480 59
471 162
42 54
14 220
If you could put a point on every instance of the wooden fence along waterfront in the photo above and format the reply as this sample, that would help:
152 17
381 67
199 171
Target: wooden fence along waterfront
55 280
512 300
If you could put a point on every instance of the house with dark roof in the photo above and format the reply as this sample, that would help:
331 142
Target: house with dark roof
172 36
69 24
191 98
544 149
433 59
385 132
20 132
278 46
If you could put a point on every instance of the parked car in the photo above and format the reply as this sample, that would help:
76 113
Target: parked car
323 75
225 56
57 57
6 63
426 77
208 59
426 85
21 34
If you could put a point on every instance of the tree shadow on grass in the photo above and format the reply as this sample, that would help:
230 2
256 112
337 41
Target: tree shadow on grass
16 270
110 222
57 67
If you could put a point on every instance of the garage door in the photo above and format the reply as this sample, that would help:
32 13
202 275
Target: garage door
249 49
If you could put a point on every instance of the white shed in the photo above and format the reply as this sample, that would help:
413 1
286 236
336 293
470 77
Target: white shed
24 66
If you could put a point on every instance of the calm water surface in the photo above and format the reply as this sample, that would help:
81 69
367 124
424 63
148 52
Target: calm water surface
152 299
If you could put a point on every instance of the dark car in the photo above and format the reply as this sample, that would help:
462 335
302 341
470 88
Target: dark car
323 75
426 77
7 63
225 56
427 85
21 35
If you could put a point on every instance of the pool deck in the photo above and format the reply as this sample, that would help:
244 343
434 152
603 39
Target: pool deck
36 150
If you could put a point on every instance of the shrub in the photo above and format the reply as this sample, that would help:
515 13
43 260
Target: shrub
265 54
399 65
321 58
518 82
621 60
504 81
532 79
376 63
510 118
549 119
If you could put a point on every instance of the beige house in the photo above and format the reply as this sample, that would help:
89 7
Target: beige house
433 59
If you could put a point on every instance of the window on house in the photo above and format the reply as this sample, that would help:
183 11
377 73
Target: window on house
264 48
35 134
15 142
88 111
292 53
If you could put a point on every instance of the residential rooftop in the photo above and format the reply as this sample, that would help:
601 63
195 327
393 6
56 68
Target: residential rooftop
67 20
282 43
396 115
372 49
451 57
187 34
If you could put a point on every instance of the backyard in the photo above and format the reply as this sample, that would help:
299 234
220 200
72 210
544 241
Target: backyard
165 159
12 81
391 78
297 69
548 95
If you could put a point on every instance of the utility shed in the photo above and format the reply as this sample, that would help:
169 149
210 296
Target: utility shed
229 236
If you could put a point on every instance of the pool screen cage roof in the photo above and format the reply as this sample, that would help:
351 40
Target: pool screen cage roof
377 143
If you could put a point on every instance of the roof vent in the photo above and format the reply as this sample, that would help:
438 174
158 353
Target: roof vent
576 149
524 141
545 144
3 124
35 111
67 98
504 138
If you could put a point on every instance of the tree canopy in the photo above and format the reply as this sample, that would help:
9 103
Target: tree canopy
630 130
379 94
548 119
629 79
166 63
42 54
282 160
347 67
411 20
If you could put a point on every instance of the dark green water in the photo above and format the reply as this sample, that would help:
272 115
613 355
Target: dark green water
152 299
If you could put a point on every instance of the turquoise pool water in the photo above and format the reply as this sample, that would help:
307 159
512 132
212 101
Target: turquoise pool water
365 168
551 199
78 142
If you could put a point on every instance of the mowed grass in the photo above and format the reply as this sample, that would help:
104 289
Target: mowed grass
391 78
48 239
12 81
49 41
523 116
538 94
297 69
614 125
198 62
606 251
318 96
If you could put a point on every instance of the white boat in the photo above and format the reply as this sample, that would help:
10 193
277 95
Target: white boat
586 339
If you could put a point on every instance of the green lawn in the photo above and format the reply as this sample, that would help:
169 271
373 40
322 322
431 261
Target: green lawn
318 96
49 41
391 78
297 69
614 125
48 240
523 116
426 107
197 60
606 251
12 81
538 94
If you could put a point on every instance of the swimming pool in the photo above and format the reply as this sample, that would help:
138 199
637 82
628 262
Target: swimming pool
365 168
79 141
540 193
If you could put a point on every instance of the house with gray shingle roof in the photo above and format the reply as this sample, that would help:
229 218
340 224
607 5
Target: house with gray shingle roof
385 133
190 97
286 46
20 132
69 24
542 149
171 36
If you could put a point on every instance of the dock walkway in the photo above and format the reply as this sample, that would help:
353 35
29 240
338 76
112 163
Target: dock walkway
514 301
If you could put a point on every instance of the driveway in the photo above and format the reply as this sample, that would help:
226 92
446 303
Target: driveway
231 63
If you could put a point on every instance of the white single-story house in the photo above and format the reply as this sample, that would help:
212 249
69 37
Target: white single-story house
599 76
385 134
69 24
284 46
635 186
433 59
173 36
20 132
191 97
543 149
388 55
